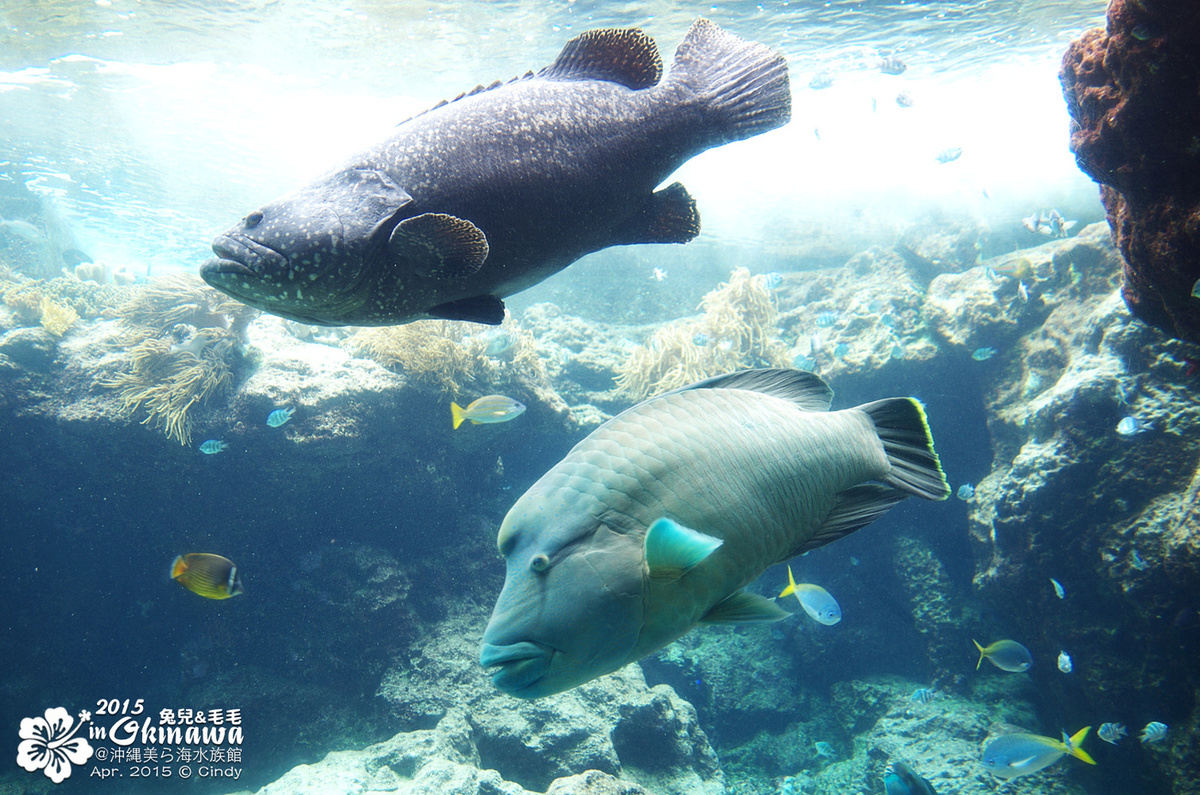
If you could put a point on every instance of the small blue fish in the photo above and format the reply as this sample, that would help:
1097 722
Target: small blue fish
840 351
1064 662
700 339
771 280
487 410
279 417
805 363
1111 732
965 492
898 352
213 446
888 320
1153 732
949 155
815 600
923 695
1058 589
1019 754
983 354
1132 426
1137 561
826 319
825 749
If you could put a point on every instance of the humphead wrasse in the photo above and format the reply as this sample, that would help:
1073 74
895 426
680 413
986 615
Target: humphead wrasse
489 194
658 520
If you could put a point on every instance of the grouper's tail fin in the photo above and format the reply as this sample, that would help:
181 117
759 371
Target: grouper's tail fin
901 426
742 86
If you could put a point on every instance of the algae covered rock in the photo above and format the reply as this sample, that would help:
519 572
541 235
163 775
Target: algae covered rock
615 724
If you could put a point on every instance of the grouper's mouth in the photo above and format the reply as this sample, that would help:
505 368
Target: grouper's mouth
520 666
240 257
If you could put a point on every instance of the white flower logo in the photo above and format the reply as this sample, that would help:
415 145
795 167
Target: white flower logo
50 744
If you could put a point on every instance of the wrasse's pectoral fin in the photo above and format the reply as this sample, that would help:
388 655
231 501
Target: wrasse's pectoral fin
672 549
438 245
743 607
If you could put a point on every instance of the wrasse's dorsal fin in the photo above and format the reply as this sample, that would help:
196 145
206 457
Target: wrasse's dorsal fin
743 607
625 56
804 389
672 549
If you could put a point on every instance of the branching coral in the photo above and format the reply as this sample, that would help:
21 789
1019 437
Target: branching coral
736 331
447 353
156 308
182 336
167 380
56 318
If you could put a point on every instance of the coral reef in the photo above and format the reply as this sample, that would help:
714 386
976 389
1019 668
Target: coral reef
443 760
736 331
1134 104
615 724
56 318
451 354
183 339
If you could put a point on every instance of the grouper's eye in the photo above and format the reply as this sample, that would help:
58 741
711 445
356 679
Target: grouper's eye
252 220
539 562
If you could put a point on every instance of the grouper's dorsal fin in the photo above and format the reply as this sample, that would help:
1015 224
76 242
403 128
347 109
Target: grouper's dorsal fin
626 56
804 389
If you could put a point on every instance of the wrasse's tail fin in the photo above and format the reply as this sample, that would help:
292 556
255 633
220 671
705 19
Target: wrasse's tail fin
743 86
457 414
982 653
904 431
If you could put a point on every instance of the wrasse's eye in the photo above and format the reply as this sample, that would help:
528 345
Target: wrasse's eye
539 562
252 220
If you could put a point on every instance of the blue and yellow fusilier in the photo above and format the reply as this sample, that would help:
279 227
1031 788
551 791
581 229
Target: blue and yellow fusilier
488 409
211 576
1007 655
660 518
1019 754
815 600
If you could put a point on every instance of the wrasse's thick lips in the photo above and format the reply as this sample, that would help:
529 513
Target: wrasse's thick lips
520 665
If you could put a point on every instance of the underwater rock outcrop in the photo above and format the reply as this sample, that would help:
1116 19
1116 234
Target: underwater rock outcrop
615 724
1132 91
438 761
1094 426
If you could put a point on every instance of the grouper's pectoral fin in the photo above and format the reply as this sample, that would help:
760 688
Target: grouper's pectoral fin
743 607
672 549
438 246
667 216
477 309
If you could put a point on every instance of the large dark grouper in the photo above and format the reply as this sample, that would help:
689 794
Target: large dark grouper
658 519
484 196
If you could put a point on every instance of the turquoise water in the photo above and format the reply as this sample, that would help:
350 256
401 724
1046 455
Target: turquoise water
153 125
143 129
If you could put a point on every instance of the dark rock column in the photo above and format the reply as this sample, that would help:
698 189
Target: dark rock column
936 614
1133 93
